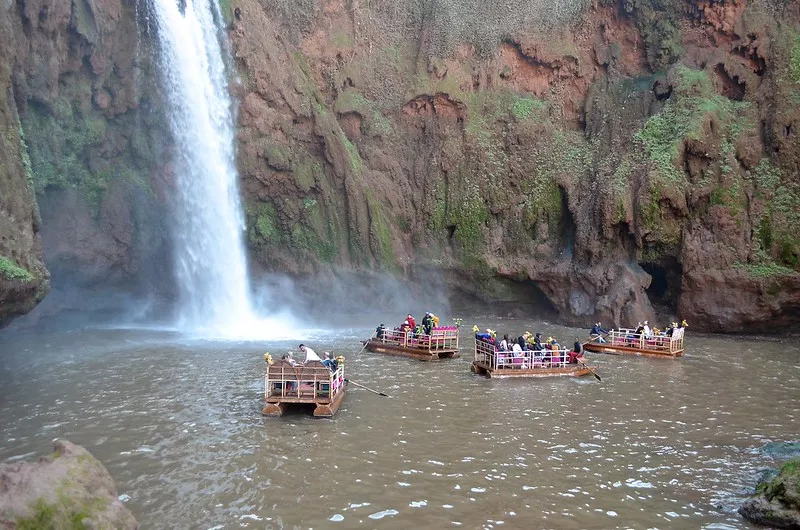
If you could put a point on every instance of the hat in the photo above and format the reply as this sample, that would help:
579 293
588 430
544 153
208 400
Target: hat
405 321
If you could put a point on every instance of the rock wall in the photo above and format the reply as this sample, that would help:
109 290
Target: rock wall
68 489
623 157
605 159
24 280
95 149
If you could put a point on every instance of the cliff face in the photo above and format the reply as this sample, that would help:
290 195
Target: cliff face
606 159
24 280
615 157
94 148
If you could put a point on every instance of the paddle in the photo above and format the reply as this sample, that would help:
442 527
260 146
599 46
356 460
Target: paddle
366 388
592 371
594 339
366 342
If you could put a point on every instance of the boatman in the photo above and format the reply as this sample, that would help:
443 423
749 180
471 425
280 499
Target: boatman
597 332
311 355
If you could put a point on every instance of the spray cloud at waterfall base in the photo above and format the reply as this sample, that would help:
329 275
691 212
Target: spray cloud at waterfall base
214 297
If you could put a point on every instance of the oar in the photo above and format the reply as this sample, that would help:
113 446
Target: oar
364 347
592 371
350 381
593 339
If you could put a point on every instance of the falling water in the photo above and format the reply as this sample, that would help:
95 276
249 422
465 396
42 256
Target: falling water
211 266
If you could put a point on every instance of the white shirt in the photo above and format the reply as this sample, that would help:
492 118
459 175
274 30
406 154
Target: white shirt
517 349
311 355
647 333
503 345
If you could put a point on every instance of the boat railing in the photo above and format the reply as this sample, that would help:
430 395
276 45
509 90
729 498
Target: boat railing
441 338
312 380
657 342
486 355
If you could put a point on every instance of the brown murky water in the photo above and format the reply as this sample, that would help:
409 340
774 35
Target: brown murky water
658 444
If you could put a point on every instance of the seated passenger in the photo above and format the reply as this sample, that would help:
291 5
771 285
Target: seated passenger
517 352
504 343
289 358
538 348
330 362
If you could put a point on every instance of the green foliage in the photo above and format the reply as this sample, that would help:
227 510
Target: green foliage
263 224
356 163
376 124
524 107
43 518
765 270
794 60
692 103
226 9
380 231
11 271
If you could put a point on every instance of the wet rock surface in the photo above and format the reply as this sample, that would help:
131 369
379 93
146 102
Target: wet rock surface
68 489
777 500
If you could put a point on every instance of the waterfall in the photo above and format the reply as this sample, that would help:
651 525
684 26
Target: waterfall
211 268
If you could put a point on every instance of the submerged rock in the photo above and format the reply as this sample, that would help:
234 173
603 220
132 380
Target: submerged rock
68 489
776 502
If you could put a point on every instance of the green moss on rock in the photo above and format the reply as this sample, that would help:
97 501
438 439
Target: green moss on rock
11 271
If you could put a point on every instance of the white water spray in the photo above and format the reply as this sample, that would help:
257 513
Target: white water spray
210 258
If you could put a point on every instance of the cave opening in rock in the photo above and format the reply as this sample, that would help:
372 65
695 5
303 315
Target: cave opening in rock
730 86
665 286
566 227
500 295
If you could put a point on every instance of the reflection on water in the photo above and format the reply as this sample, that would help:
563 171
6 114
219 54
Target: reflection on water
659 443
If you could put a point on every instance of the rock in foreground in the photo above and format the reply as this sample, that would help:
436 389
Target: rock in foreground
69 489
777 502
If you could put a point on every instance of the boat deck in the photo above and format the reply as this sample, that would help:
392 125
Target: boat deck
311 383
442 343
625 341
503 364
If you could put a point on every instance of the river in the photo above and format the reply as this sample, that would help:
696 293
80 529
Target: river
657 444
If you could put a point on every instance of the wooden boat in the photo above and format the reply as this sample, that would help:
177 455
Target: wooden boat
502 364
626 341
442 343
311 383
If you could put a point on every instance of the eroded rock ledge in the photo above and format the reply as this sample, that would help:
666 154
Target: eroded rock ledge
777 502
68 489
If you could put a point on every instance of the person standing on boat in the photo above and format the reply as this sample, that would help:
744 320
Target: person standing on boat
380 331
597 332
427 323
311 355
648 333
412 324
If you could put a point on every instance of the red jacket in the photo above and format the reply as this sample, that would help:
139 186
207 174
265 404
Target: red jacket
411 322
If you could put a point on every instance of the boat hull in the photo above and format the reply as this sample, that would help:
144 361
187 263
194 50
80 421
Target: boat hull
276 406
421 354
567 371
